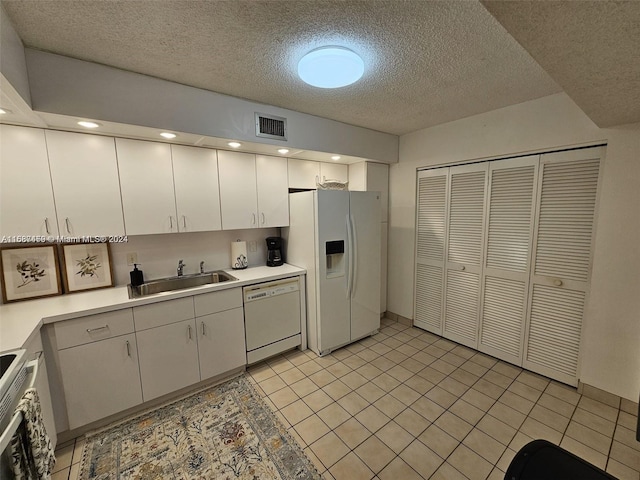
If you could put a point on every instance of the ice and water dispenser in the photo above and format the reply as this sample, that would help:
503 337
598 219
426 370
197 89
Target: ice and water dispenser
334 252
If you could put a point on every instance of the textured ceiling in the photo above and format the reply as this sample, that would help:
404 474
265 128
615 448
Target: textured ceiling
428 62
591 48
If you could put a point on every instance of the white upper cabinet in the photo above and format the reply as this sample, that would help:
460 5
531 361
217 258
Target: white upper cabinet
146 182
303 174
84 173
26 196
334 171
253 191
273 191
195 173
238 193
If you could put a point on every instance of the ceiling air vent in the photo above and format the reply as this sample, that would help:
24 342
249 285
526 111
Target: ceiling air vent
270 126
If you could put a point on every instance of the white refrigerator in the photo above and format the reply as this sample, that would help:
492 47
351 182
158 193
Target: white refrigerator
335 236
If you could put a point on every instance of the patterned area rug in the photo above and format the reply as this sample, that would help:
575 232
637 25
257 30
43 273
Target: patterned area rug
224 432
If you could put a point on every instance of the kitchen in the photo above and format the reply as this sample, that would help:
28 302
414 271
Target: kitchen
538 125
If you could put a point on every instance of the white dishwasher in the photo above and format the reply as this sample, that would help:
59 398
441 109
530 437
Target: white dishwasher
272 318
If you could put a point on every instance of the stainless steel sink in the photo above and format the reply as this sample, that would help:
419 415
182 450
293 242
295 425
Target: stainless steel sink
178 283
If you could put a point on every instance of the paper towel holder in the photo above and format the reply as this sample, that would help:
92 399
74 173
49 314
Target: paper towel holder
239 259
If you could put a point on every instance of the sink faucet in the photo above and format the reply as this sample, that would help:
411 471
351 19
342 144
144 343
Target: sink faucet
181 266
202 266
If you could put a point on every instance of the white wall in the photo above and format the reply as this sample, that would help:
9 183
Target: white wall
611 343
159 254
67 86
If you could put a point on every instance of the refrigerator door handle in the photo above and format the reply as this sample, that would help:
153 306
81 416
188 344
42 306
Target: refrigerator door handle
354 255
350 252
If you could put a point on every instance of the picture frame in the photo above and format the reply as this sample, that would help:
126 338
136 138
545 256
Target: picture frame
86 266
29 272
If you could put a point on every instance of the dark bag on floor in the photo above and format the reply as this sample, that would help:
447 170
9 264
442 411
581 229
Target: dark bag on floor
542 460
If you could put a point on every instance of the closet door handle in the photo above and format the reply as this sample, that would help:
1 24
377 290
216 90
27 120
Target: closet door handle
170 222
463 268
46 225
184 221
128 349
557 282
189 332
203 333
66 223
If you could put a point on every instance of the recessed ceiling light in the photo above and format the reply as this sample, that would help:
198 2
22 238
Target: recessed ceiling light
4 110
330 67
168 135
283 150
87 124
234 144
335 157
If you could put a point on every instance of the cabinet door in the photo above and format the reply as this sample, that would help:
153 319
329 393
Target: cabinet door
168 358
195 174
303 173
84 173
238 191
562 262
100 379
273 191
465 243
26 196
334 171
221 342
146 182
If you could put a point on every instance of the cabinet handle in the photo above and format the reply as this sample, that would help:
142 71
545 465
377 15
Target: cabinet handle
184 221
128 349
89 330
254 219
46 225
463 268
170 222
189 330
557 282
66 223
262 217
203 333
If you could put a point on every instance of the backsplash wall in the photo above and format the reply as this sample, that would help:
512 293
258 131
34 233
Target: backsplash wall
158 255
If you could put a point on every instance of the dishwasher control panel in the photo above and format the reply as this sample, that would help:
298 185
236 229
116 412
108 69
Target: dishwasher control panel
272 289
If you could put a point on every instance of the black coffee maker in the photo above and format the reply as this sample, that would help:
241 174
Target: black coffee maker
274 252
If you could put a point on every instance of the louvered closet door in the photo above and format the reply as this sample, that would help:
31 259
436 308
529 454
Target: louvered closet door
562 265
431 213
505 276
464 253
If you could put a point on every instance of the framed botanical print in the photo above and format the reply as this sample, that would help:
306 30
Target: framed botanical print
86 266
29 272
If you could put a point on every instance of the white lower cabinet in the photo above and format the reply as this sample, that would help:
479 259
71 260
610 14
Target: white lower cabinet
113 361
100 379
221 342
168 358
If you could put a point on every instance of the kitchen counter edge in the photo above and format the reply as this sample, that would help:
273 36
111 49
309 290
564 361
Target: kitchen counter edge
20 321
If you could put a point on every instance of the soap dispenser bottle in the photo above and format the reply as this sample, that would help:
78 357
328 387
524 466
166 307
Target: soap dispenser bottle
137 278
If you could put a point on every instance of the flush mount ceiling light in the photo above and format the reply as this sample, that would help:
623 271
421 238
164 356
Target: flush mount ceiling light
5 111
87 124
168 135
283 150
234 144
335 158
331 67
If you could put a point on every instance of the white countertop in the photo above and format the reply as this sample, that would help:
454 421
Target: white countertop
21 320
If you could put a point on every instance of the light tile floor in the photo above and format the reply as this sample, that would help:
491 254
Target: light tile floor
406 404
